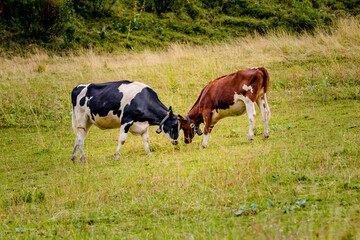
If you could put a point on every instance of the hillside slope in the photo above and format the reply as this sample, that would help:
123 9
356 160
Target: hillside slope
113 25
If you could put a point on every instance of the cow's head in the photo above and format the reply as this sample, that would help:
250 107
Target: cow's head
188 128
170 126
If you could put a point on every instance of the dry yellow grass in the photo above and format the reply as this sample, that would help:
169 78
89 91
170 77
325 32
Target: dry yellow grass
244 53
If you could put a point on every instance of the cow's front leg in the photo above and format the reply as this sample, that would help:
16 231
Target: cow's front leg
145 137
124 129
205 141
207 129
250 110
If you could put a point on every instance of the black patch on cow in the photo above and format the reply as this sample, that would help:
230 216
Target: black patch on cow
127 128
75 92
104 97
145 106
222 105
82 101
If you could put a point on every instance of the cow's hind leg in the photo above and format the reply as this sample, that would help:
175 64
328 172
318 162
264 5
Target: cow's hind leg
79 143
250 110
124 129
265 113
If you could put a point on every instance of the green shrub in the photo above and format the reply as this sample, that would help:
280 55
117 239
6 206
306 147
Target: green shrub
94 8
160 6
36 19
249 8
59 25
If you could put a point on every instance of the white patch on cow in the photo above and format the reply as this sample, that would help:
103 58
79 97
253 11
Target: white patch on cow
250 110
267 117
129 91
247 88
139 128
265 112
238 108
107 122
145 137
122 139
173 141
241 103
204 144
79 143
261 92
254 68
79 112
81 94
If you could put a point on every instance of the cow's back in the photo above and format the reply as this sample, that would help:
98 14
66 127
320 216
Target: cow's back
218 94
221 93
103 103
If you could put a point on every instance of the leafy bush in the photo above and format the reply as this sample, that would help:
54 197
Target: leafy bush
94 8
36 19
161 6
305 17
59 25
343 7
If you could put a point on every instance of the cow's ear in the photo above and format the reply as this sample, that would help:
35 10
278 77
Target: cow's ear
170 111
198 131
181 118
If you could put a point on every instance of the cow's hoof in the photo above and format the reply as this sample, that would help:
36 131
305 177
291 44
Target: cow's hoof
82 159
202 147
117 156
73 159
265 137
250 139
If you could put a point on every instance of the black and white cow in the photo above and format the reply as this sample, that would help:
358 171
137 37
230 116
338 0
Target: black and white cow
130 106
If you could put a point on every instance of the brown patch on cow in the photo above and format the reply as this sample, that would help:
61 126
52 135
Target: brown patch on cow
185 126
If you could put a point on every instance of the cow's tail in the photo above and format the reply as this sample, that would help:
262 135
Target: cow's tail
74 96
266 79
73 116
73 120
265 85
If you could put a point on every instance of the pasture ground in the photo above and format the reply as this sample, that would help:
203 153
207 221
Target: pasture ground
302 183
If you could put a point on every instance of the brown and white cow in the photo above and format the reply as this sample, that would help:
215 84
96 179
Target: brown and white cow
225 96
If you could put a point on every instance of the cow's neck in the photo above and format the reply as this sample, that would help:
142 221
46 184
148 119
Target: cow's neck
195 115
157 115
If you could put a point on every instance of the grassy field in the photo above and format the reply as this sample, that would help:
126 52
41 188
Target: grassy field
302 183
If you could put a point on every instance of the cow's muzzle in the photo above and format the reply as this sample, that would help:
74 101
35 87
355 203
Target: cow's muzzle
187 140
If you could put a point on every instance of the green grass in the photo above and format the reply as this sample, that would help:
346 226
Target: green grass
302 183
